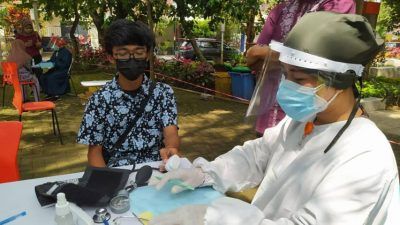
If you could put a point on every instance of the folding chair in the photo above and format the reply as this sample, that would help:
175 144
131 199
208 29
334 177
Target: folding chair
33 106
10 135
70 77
8 69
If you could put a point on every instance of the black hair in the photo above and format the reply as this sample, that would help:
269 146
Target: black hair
127 32
339 81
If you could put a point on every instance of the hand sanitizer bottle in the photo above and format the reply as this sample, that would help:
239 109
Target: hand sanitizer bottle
63 211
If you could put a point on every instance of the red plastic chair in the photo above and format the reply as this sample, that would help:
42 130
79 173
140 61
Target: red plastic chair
33 106
8 69
10 134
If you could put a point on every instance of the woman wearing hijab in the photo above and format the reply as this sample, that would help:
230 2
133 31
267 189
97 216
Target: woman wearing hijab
23 60
279 22
55 81
32 42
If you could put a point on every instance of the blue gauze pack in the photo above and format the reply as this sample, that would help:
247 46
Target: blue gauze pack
149 199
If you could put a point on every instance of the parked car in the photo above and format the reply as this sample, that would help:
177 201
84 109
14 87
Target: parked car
211 49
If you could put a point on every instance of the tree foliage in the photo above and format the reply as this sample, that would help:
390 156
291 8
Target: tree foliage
389 15
202 29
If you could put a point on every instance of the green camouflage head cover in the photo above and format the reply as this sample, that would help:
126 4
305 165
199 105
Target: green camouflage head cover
347 38
337 46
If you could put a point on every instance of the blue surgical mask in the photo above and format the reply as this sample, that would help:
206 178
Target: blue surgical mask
299 102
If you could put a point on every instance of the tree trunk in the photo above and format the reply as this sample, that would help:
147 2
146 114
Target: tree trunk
151 25
120 10
359 6
250 30
98 20
188 34
197 51
187 28
72 31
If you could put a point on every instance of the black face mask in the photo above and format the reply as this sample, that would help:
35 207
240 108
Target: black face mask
131 69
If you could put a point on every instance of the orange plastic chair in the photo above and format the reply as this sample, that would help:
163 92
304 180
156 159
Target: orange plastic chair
33 106
8 69
10 134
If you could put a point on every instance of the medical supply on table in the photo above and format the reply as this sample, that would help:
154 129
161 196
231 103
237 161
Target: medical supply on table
95 188
149 199
70 214
11 218
120 203
177 182
141 179
175 162
63 211
142 219
101 215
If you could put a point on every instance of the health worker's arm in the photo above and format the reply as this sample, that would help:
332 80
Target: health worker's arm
353 193
242 167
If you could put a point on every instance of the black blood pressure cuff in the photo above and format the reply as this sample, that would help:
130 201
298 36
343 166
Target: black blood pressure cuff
95 188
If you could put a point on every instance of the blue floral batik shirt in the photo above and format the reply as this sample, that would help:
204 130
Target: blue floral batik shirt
110 110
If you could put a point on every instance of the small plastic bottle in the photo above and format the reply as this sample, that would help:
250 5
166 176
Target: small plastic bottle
63 211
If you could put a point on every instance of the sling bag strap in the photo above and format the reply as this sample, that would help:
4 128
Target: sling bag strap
139 114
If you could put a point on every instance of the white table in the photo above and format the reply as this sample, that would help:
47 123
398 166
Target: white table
19 196
94 83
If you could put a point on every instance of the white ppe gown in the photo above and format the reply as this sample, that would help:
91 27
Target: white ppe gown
355 182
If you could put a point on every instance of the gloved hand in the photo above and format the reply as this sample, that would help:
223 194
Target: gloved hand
185 215
193 177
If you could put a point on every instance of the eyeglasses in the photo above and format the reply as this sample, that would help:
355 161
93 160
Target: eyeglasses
125 55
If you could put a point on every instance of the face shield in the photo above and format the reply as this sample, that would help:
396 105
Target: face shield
319 76
264 94
335 47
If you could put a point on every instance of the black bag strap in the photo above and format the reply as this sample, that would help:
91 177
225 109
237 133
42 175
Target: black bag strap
139 114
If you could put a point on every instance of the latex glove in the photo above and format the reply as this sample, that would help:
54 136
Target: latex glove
186 215
175 162
193 177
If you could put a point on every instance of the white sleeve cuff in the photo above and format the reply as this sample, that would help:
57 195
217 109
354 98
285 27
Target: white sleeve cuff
205 167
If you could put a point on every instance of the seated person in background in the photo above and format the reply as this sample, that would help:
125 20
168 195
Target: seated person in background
55 82
131 103
324 163
23 60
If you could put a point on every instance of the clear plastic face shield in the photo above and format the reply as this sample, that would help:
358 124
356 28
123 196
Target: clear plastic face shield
305 80
264 94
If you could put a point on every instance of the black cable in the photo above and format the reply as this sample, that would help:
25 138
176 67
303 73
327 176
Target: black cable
347 124
356 106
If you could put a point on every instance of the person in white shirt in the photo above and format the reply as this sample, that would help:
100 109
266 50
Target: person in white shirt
325 163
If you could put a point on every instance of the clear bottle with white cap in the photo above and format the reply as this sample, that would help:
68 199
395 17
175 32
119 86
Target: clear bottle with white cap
63 211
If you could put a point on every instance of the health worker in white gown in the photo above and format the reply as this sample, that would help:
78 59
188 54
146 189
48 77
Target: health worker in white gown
326 163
